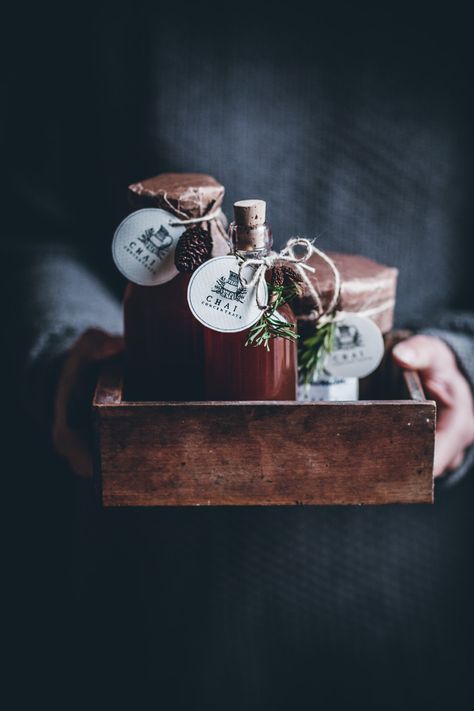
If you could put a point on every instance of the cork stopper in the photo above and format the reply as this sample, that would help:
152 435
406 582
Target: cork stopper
249 232
250 213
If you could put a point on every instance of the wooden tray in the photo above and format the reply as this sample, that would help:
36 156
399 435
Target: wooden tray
266 453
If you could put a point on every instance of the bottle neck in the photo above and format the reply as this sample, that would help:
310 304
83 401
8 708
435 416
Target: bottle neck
250 242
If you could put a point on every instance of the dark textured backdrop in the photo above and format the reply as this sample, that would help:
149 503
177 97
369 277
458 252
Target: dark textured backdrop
353 123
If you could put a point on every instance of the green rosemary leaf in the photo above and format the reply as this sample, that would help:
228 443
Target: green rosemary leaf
314 350
271 325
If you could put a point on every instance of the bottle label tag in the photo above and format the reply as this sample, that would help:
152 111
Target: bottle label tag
219 300
358 347
144 244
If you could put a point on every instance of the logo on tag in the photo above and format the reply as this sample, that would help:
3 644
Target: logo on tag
358 347
218 298
144 244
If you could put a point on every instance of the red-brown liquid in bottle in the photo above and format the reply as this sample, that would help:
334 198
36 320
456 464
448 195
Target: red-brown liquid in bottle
234 371
164 343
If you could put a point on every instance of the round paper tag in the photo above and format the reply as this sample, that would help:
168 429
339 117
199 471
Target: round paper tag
358 347
144 244
218 300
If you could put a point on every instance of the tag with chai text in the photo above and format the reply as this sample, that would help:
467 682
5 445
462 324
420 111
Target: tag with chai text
358 347
218 298
144 245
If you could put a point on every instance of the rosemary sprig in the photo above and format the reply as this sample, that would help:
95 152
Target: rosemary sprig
313 351
271 324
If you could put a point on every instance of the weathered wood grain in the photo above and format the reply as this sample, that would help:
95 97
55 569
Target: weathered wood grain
180 454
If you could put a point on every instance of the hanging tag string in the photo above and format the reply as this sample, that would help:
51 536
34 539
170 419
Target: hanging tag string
289 252
299 263
194 220
332 305
268 261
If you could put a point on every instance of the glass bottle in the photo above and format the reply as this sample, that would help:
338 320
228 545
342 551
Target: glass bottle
234 371
164 343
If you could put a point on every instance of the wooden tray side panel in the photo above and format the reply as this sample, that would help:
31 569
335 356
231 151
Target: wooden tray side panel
265 453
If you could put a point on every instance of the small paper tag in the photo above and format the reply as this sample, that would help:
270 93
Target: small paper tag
144 244
358 347
218 299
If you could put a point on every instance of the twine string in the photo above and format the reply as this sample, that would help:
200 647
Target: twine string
172 208
194 220
288 255
332 305
371 307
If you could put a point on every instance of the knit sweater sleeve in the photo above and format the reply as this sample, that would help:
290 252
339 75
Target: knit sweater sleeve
456 328
50 296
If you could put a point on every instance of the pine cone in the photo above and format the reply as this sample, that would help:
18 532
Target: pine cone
284 275
193 248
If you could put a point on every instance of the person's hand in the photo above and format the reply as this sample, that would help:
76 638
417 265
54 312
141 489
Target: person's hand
443 381
71 423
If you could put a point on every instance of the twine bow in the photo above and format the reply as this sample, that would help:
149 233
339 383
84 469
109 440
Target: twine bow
288 255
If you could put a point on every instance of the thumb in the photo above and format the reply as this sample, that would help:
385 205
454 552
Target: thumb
425 353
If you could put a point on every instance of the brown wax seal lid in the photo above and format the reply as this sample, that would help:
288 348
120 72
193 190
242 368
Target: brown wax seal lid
185 194
366 287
